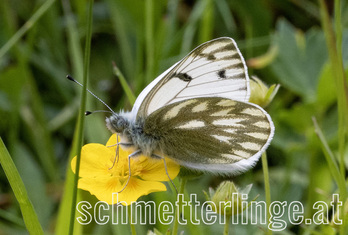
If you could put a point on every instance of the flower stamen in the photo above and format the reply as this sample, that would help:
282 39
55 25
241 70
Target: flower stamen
134 154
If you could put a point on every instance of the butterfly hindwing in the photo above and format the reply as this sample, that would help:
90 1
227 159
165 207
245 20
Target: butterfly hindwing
215 69
211 133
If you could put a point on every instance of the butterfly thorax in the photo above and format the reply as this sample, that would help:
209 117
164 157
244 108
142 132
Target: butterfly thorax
132 133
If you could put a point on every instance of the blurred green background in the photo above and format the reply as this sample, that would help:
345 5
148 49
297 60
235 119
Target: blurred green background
282 41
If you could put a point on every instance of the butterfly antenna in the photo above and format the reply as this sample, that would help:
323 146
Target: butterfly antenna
100 100
97 111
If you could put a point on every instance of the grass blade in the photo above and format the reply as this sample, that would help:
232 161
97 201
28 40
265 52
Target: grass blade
334 169
334 46
131 97
206 27
337 66
30 23
29 216
75 53
149 39
330 158
80 126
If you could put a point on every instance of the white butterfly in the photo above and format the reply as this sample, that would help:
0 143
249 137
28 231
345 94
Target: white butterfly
197 113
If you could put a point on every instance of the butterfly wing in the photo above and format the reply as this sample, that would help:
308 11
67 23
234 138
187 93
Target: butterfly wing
211 133
215 69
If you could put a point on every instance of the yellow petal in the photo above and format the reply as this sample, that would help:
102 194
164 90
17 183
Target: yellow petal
101 187
95 160
137 188
154 169
111 144
105 188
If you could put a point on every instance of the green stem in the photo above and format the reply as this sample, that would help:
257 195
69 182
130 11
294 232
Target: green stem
178 212
81 115
334 45
134 232
227 225
338 30
337 66
267 187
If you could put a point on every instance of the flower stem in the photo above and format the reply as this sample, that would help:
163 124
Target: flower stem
227 225
178 212
267 187
333 38
130 220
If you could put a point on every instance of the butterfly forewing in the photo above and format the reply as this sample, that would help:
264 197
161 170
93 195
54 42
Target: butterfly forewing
211 133
215 69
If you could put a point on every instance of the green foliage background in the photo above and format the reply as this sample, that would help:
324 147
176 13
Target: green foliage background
282 41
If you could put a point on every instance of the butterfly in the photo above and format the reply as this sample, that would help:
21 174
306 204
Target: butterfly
197 113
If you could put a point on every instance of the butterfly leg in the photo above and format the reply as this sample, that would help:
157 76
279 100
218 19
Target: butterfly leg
165 167
116 154
134 154
117 151
116 157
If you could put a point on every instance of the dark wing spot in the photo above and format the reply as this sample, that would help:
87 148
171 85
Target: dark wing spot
228 47
222 74
211 57
183 76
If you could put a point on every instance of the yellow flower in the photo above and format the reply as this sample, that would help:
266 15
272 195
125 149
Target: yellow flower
102 179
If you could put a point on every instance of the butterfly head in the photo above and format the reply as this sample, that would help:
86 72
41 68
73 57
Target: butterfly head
117 123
